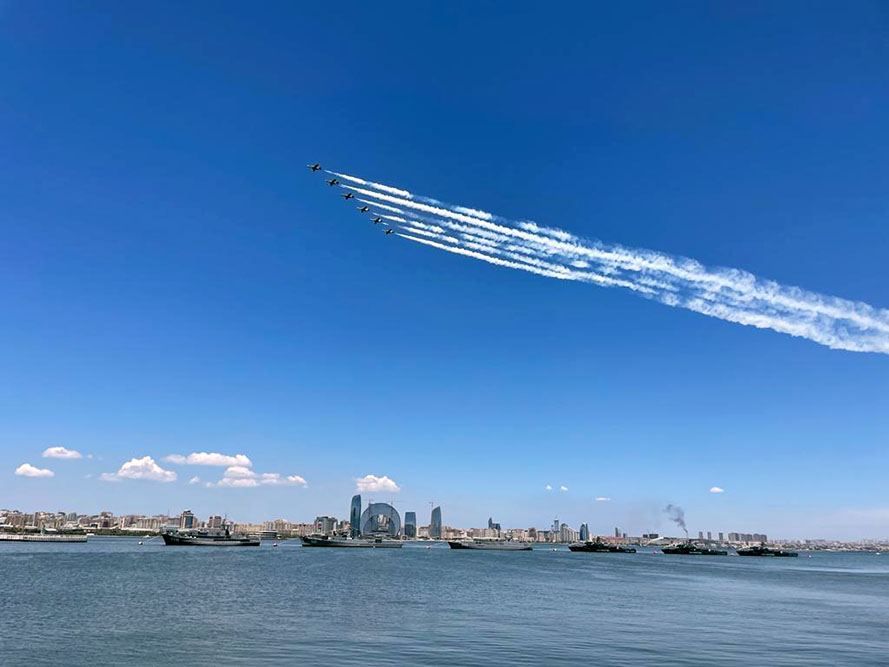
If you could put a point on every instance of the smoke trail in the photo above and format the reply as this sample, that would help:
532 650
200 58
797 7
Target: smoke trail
677 516
728 294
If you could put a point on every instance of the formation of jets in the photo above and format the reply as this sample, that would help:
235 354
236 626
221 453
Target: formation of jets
348 195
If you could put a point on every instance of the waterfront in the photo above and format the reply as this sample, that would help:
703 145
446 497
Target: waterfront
112 601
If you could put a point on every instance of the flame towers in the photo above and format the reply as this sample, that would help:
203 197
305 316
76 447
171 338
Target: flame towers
435 524
355 517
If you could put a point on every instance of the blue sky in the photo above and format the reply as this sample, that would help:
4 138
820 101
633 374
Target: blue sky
173 280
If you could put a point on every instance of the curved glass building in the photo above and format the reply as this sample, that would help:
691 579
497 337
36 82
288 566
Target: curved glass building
380 519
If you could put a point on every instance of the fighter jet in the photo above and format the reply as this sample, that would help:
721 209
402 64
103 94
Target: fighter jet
348 195
333 181
377 221
314 167
363 209
389 231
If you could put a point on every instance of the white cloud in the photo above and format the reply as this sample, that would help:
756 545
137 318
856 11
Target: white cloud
239 472
563 488
210 459
61 453
603 499
548 487
195 480
716 489
27 470
370 483
239 477
237 482
141 468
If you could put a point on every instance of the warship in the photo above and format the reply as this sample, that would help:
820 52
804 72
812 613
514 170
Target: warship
489 545
42 537
222 537
690 549
598 546
353 543
763 550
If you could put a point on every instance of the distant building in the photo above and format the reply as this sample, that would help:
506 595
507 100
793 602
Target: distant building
492 525
435 524
214 522
325 525
616 531
186 520
700 534
355 516
410 525
709 536
584 532
567 533
721 539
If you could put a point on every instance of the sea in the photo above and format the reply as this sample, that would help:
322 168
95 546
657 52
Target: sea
114 601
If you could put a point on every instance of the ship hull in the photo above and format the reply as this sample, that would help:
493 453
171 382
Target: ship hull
350 544
481 546
682 551
601 549
767 553
68 539
185 541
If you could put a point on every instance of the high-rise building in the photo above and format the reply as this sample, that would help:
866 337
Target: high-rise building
700 534
355 516
616 531
720 538
556 525
325 525
435 524
214 522
709 536
493 525
410 525
584 532
186 520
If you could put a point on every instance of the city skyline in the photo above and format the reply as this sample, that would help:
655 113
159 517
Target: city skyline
209 325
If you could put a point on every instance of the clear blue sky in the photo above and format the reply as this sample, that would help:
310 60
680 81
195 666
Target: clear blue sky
173 280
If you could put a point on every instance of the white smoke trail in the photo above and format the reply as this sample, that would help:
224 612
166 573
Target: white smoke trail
729 294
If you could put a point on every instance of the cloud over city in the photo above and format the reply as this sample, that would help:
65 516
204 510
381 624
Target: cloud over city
242 477
371 483
210 459
716 489
144 468
27 470
61 453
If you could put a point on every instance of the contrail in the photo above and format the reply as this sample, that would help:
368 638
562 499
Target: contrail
728 294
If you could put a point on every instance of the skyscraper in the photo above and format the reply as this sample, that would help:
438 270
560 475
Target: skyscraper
584 532
435 524
410 525
355 517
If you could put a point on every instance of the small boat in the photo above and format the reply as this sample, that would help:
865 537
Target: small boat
689 549
489 545
208 538
767 552
598 546
353 543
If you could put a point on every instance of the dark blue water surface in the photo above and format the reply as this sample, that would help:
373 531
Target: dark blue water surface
111 602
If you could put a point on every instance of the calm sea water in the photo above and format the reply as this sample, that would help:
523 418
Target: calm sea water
113 602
